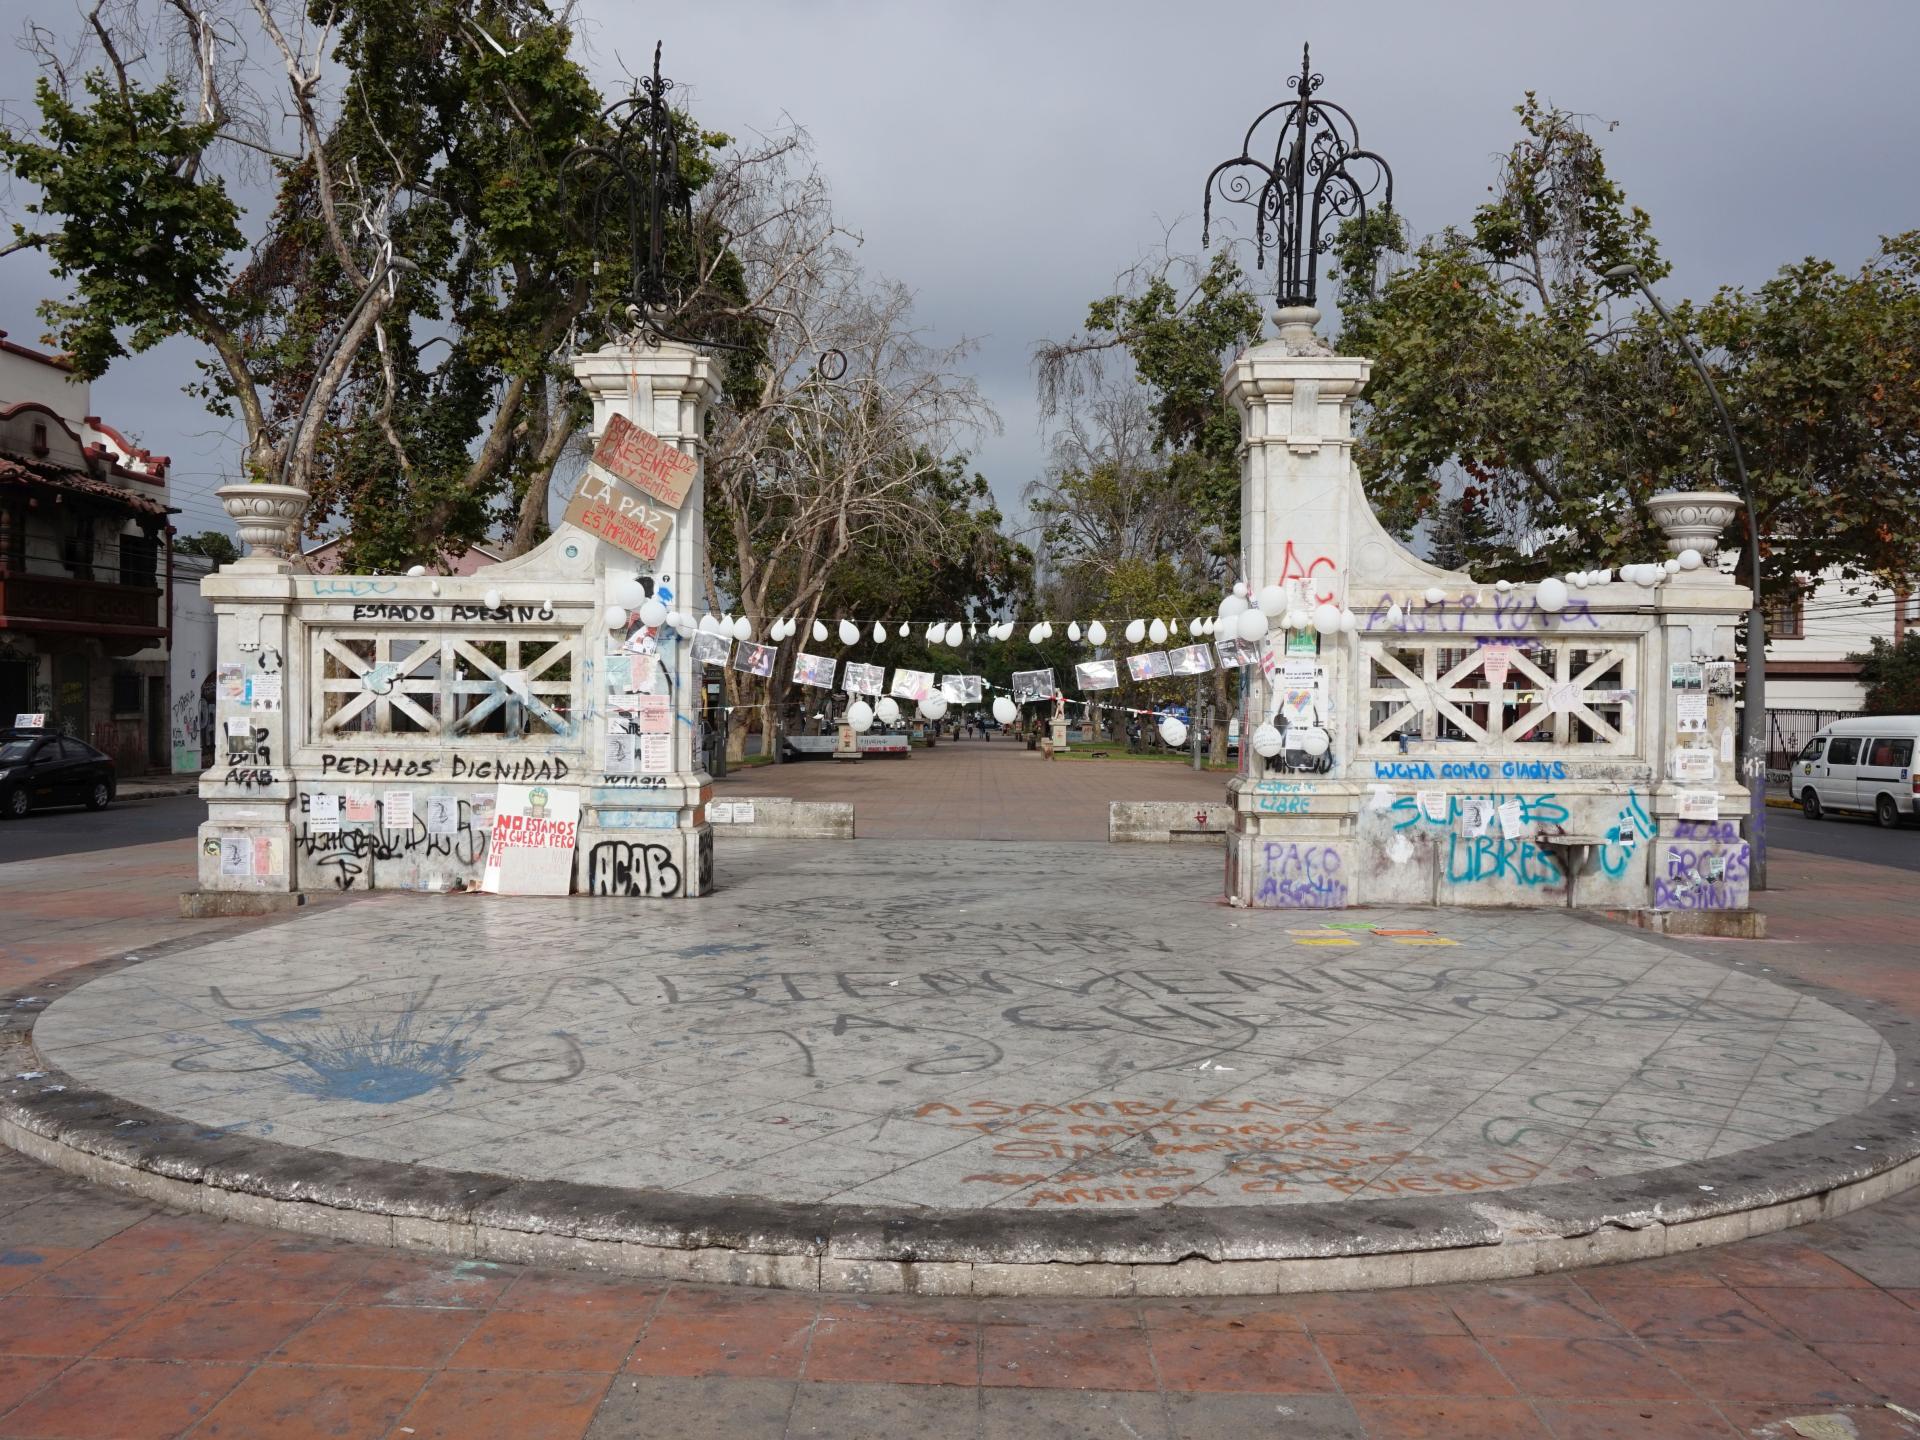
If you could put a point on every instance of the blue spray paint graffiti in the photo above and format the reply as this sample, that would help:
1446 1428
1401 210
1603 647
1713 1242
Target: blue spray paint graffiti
1300 877
374 1063
1629 828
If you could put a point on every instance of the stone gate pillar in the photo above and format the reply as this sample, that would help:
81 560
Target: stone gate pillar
647 834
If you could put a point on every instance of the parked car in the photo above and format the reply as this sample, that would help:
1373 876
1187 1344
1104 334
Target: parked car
41 769
1862 765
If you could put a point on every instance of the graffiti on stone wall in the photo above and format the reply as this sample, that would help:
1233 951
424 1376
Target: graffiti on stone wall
1293 876
640 869
1706 867
343 855
1514 613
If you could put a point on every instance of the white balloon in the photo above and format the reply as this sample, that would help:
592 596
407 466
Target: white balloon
743 629
1648 576
903 630
956 632
1240 588
1097 633
849 633
936 632
1603 577
1315 741
492 598
934 706
1046 629
860 717
1326 619
1196 627
1349 621
973 631
1173 730
1295 619
1004 710
1551 594
819 631
1232 605
416 570
1395 617
1136 631
887 709
1036 632
1157 632
1691 559
1435 595
709 623
684 627
1073 630
1503 586
653 614
1267 741
879 633
616 617
1273 600
625 590
1252 625
1673 565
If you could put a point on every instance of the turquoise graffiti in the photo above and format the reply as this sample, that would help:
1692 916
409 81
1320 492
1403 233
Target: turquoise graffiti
1629 828
1491 857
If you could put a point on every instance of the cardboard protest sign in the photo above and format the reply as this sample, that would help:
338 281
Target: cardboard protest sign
530 846
619 515
645 461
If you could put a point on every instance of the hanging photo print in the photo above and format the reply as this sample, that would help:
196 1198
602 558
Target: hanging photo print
961 689
1235 653
914 684
1190 660
1032 685
864 679
1150 666
710 649
815 670
755 659
1097 675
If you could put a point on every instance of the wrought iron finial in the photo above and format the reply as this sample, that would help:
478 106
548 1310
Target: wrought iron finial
1308 183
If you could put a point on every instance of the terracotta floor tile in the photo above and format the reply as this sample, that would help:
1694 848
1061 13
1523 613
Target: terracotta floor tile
1889 1370
1585 1369
429 1281
22 1264
1909 1298
1067 1314
21 1375
1778 1262
1232 1312
1692 1313
317 1402
574 1289
905 1352
1553 1307
702 1346
886 1309
1862 1316
60 1324
1448 1418
317 1277
469 1405
190 1330
123 1400
1104 1359
1412 1365
1635 1420
1393 1312
739 1300
1207 1357
542 1340
1673 1270
407 1336
123 1269
1761 1371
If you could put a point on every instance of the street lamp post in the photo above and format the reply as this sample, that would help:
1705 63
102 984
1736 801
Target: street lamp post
1753 720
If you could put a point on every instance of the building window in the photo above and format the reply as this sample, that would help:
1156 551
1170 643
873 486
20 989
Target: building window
126 694
139 560
1787 618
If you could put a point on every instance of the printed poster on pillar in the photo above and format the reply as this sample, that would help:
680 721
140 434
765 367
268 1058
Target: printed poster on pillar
530 846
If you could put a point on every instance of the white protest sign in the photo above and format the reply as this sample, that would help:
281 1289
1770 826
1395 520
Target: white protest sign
1510 821
323 814
530 847
1699 805
35 720
396 810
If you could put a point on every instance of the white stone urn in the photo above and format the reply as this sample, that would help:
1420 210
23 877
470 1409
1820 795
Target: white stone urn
268 516
1694 519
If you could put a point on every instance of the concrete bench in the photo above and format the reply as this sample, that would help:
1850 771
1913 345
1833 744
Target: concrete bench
776 817
1162 822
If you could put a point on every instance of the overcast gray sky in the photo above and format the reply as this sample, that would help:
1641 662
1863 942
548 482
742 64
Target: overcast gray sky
1007 160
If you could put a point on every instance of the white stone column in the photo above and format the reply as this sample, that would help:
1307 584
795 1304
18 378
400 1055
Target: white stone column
655 840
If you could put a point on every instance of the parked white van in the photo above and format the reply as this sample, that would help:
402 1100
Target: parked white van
1863 765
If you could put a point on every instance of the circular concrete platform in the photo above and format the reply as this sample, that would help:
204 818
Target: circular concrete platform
966 1067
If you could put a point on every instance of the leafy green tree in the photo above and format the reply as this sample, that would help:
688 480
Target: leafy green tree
1506 361
215 545
393 333
1891 673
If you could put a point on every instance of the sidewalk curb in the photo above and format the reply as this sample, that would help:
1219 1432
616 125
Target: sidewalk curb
156 789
